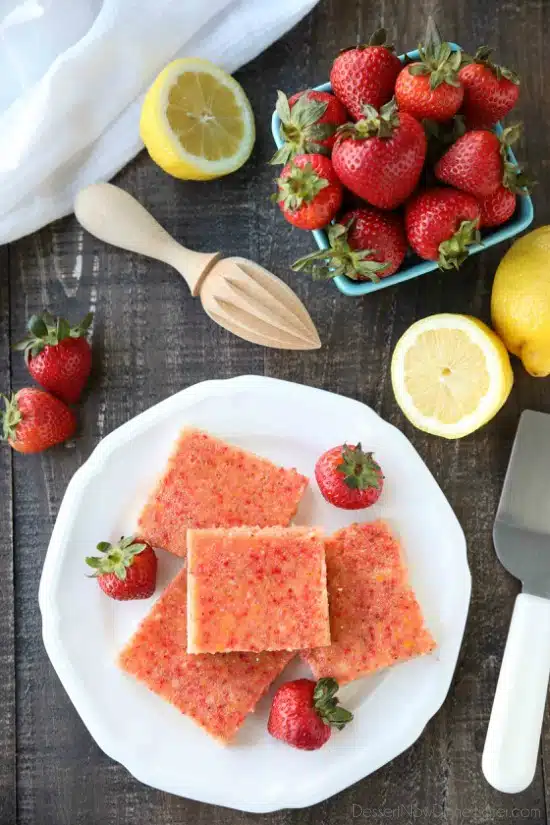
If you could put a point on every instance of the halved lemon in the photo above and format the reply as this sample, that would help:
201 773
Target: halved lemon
196 121
450 374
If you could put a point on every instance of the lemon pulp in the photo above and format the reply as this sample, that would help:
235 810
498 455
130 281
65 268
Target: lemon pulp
196 121
450 374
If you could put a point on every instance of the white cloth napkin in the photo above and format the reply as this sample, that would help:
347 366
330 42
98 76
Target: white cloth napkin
72 78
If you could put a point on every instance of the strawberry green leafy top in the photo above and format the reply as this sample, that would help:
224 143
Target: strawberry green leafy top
45 330
300 128
116 557
326 704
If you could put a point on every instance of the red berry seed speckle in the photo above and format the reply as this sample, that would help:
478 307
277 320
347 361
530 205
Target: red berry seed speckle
375 617
216 691
271 594
213 484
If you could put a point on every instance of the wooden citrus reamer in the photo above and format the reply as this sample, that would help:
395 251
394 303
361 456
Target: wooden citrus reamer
238 294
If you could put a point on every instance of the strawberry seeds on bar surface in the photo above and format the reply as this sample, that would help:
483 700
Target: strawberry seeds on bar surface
254 590
217 691
209 483
375 618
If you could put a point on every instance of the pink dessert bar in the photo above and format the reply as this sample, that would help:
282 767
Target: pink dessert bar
252 589
209 483
218 691
375 618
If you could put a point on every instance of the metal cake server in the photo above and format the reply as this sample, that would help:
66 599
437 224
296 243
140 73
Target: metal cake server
239 295
522 541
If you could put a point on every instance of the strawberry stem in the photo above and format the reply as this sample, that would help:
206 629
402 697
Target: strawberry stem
300 127
517 180
374 123
360 470
513 178
509 136
341 259
377 38
439 62
11 417
116 557
45 330
326 703
454 251
483 57
301 185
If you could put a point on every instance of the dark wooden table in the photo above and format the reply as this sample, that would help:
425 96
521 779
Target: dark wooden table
150 340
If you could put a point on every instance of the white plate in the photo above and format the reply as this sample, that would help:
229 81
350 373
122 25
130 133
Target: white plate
83 630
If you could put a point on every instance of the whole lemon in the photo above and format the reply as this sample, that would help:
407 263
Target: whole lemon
520 302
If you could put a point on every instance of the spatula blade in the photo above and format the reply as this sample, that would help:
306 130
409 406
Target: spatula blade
522 527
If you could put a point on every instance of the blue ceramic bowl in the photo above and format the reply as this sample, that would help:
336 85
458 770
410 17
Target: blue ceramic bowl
413 265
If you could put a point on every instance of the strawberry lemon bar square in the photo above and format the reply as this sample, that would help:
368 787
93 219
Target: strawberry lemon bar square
252 589
209 483
216 691
375 618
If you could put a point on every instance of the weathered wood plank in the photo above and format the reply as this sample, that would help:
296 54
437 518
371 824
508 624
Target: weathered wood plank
7 595
441 774
151 339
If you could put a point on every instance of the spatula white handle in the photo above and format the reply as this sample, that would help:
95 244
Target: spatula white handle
114 216
512 743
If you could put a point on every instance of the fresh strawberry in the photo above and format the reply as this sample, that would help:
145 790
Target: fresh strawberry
380 158
365 245
309 191
441 224
478 162
365 75
473 163
431 88
303 713
497 208
58 356
349 478
308 123
34 420
490 90
127 570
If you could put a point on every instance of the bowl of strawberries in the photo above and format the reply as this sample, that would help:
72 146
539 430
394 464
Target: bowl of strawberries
400 165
